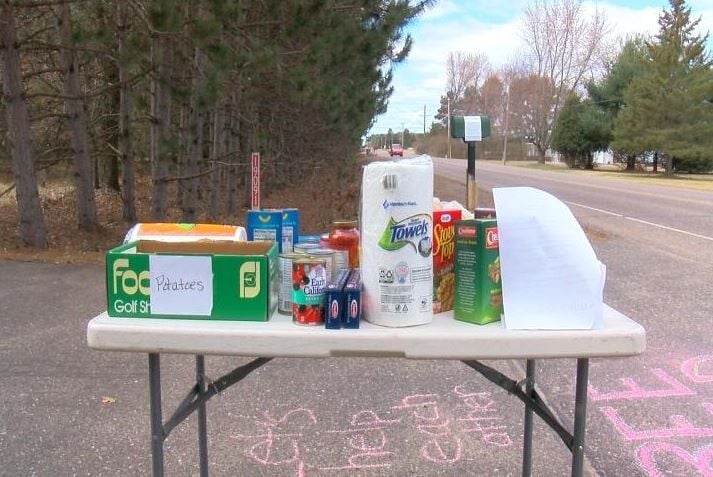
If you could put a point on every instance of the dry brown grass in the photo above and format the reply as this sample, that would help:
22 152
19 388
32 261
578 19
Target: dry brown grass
321 196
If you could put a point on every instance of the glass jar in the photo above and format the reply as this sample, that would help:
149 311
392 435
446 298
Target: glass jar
344 235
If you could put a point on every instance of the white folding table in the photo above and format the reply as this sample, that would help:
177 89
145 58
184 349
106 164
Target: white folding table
445 338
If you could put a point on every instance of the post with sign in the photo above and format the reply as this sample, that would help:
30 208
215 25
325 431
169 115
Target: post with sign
255 180
471 129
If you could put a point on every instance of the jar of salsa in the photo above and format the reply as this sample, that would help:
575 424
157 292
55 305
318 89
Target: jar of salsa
344 235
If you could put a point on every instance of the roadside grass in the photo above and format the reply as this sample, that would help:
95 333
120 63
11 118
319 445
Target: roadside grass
683 181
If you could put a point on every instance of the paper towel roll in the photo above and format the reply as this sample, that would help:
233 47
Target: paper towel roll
396 241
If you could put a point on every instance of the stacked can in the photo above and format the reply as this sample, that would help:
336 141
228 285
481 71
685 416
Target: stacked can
308 283
305 247
327 255
284 303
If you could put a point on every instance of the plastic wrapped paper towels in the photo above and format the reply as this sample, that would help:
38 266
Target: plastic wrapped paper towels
396 241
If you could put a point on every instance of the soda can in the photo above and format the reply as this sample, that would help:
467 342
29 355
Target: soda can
290 229
305 247
326 254
309 280
284 303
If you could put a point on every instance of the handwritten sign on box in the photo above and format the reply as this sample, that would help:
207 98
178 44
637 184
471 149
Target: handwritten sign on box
181 285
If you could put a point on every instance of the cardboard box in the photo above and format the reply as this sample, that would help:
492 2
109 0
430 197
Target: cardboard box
444 222
478 289
235 281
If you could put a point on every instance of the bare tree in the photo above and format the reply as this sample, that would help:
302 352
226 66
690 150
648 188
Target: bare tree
564 44
465 70
29 210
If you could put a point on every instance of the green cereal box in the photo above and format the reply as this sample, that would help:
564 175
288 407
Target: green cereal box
478 290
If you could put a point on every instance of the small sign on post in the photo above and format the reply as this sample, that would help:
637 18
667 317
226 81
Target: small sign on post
471 129
255 180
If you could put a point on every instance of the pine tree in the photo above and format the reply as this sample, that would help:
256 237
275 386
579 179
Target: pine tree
667 109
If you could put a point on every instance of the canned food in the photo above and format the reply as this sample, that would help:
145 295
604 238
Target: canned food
284 302
309 280
341 260
327 255
305 247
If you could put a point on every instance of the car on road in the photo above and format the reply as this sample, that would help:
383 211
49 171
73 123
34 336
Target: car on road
396 150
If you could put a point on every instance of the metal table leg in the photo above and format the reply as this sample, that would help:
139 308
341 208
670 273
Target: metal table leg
580 417
527 445
156 415
202 418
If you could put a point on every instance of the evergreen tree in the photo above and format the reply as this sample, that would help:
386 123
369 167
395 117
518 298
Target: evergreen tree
581 129
666 109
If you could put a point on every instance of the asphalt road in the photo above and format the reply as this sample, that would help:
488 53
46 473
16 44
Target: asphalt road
67 410
650 415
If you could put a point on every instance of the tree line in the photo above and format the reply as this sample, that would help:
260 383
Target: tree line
576 91
178 93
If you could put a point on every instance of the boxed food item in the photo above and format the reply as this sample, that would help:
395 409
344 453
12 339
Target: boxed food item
444 222
334 301
478 289
352 300
265 225
220 280
173 232
290 229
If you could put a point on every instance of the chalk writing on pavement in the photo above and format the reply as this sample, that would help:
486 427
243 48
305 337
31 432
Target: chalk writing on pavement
446 427
693 448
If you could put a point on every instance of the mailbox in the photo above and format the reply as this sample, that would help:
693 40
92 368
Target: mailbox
470 128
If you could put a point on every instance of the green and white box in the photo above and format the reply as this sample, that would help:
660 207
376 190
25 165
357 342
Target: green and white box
478 289
235 281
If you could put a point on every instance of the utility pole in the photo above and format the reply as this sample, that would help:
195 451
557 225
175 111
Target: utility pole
505 132
424 119
402 135
448 124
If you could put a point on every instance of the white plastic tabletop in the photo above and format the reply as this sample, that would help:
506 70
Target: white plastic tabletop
444 338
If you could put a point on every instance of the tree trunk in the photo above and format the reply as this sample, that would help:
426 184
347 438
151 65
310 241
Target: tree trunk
232 174
196 122
630 162
656 161
160 126
83 177
217 156
124 136
29 209
107 169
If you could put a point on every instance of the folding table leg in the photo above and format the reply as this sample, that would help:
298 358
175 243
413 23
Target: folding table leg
580 417
527 445
202 418
156 414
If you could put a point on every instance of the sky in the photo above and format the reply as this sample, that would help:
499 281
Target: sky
491 27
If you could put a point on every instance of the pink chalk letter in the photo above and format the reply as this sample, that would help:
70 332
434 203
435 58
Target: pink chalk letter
634 391
693 369
370 418
443 451
701 461
681 428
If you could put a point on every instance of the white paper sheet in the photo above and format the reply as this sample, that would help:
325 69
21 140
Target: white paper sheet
473 128
551 276
181 285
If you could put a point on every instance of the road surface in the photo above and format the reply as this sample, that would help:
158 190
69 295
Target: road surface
653 413
66 410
